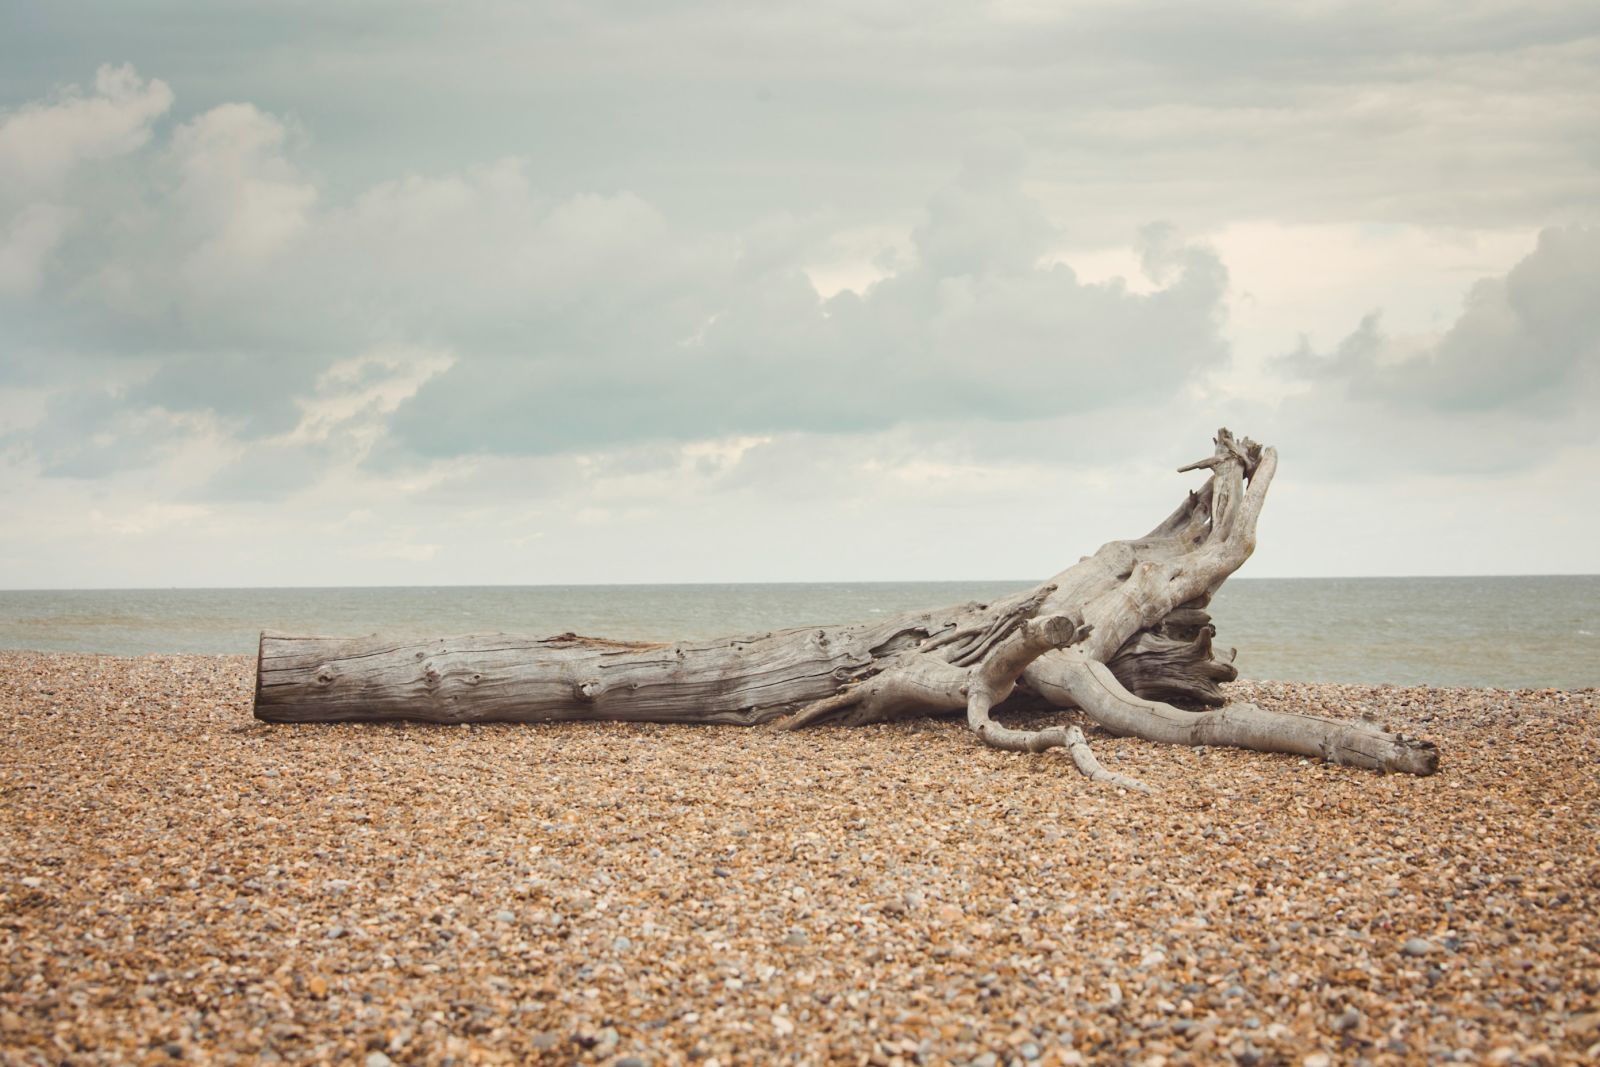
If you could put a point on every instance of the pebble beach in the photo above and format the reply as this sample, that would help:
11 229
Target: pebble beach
182 884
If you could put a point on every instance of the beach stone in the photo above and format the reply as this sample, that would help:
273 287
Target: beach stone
504 916
378 1059
180 878
1416 946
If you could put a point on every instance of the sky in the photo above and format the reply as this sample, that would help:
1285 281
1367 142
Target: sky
410 293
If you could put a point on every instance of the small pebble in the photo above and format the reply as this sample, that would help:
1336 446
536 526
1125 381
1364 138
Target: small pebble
624 893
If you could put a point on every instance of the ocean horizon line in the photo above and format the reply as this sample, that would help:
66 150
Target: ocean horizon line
762 582
1505 630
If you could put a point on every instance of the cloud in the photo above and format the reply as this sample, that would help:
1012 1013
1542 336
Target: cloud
590 319
972 325
241 200
41 143
713 267
42 147
1528 342
34 231
91 432
1417 111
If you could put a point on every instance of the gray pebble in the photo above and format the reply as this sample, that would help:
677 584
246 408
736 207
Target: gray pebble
1416 946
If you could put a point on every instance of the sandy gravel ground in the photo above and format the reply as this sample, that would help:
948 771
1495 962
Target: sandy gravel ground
180 883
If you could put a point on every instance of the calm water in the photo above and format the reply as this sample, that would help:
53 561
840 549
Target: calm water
1507 632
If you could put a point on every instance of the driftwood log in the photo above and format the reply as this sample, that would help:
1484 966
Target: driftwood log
1122 634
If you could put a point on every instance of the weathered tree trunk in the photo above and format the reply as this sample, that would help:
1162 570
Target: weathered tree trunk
1116 634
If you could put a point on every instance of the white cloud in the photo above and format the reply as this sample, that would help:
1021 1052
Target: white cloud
33 233
353 396
41 143
146 519
240 198
1527 342
41 146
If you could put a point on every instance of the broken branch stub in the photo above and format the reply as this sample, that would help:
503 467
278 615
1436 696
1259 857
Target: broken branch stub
1122 634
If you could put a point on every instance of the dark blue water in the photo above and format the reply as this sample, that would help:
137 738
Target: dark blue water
1510 632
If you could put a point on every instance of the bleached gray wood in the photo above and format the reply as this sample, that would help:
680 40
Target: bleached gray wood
1115 634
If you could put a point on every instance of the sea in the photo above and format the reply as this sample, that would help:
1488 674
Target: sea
1503 632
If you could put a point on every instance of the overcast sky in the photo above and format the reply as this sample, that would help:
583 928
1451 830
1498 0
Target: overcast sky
418 293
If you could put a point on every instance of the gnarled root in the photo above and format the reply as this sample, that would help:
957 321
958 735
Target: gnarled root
995 678
1083 759
1071 679
924 682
